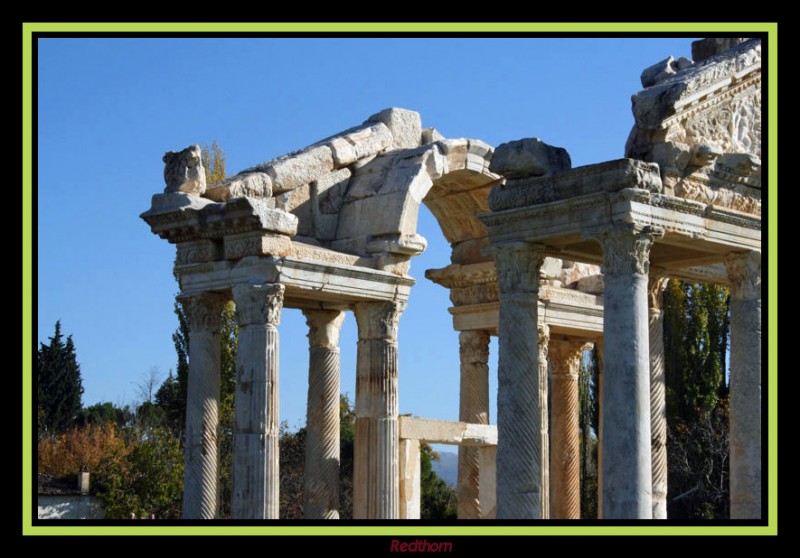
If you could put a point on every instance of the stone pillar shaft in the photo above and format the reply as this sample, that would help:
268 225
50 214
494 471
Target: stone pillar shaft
256 414
376 481
627 463
544 430
410 479
322 423
744 271
565 444
201 478
658 404
519 419
473 408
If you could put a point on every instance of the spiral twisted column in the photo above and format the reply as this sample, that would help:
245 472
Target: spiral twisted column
473 408
658 405
565 439
201 478
322 424
520 449
256 414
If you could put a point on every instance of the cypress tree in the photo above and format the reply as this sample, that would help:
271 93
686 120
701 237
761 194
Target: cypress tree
59 386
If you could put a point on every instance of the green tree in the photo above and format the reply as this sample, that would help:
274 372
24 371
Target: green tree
696 329
437 500
105 413
59 386
147 481
588 389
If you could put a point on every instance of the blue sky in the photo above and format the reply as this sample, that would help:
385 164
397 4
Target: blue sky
108 109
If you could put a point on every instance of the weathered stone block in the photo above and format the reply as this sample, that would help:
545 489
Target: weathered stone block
405 125
184 172
706 48
250 184
529 157
238 246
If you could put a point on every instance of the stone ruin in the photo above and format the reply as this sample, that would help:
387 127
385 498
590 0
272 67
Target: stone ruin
549 258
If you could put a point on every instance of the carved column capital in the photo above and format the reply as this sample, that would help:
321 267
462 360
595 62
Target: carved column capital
626 248
324 327
378 320
203 310
656 283
543 333
518 265
258 304
473 345
565 357
744 272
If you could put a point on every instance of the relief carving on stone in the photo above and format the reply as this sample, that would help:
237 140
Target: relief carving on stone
518 267
184 172
744 272
258 304
378 320
324 327
627 250
204 311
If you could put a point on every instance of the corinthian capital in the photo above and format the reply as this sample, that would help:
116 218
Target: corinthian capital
626 249
744 273
258 304
203 310
323 327
378 320
518 265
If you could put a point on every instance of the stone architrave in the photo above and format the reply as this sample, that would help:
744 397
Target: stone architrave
201 478
565 438
256 413
321 475
744 272
519 418
627 463
658 406
375 471
473 408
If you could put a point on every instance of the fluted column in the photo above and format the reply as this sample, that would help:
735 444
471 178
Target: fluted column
565 439
256 415
473 408
322 423
201 478
375 474
658 404
744 272
544 431
627 476
519 414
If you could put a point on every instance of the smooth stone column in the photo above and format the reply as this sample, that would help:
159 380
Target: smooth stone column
375 468
410 479
256 415
473 408
544 432
658 404
565 438
627 463
744 272
201 477
519 415
488 473
322 422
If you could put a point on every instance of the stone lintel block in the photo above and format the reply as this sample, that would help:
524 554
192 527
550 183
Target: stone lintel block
249 214
706 48
447 432
405 125
529 157
245 184
463 275
198 251
592 284
238 246
357 143
611 176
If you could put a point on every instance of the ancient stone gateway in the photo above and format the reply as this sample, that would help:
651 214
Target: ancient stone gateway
332 228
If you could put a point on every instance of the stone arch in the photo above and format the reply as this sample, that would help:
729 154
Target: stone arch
451 176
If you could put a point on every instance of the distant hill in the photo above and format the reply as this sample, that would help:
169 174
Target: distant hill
447 467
